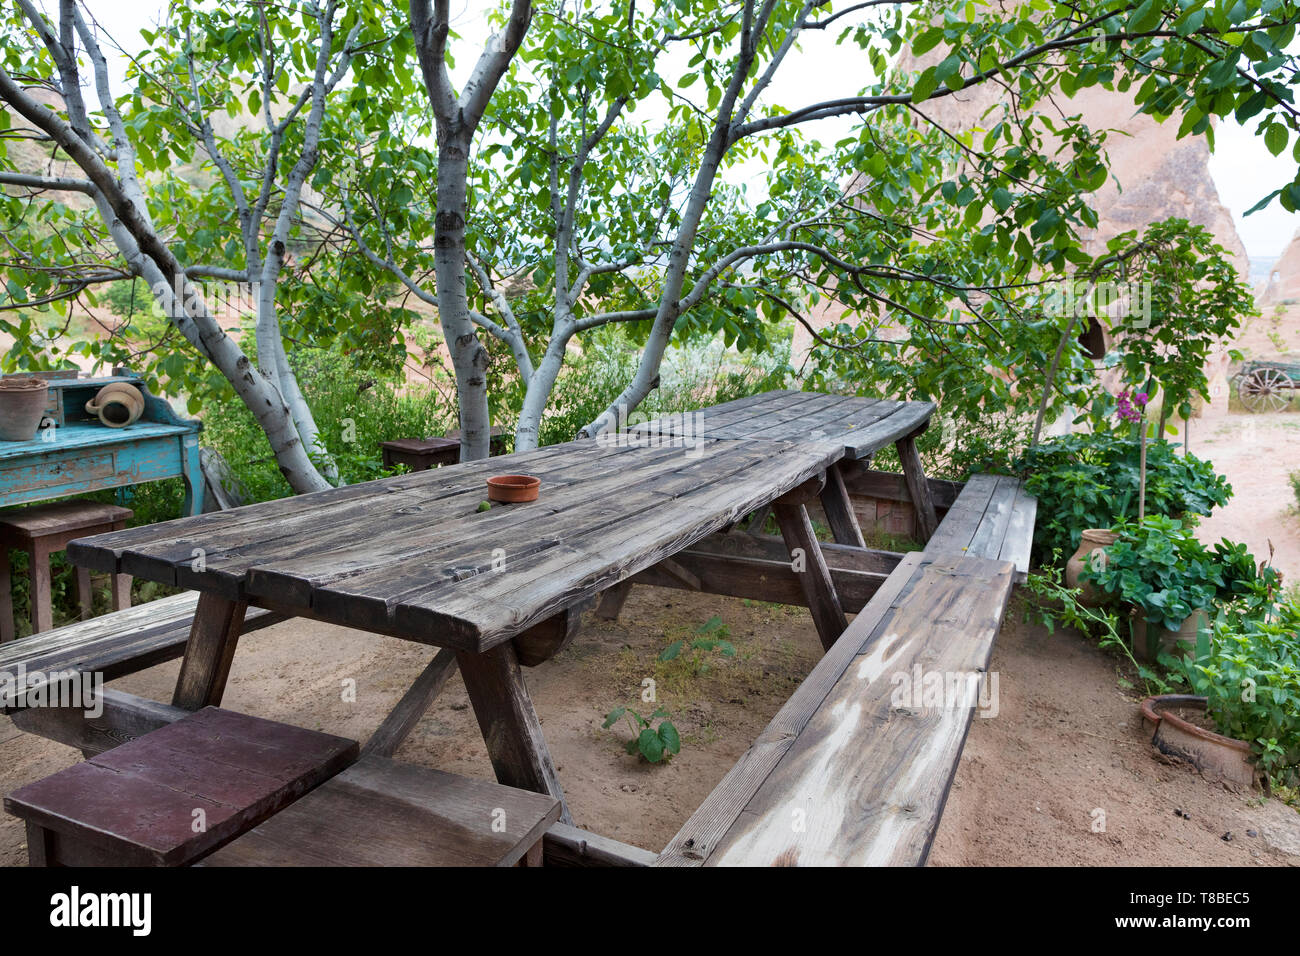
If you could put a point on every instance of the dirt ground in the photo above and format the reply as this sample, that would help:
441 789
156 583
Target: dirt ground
1066 740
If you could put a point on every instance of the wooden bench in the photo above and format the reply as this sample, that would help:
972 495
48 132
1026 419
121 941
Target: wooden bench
382 813
111 645
993 517
854 769
174 795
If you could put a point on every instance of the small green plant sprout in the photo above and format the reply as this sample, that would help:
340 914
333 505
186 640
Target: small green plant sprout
655 744
713 637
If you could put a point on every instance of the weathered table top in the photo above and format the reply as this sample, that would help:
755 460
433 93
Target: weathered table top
412 556
863 425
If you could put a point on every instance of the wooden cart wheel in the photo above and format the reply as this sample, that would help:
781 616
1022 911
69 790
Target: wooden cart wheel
1266 390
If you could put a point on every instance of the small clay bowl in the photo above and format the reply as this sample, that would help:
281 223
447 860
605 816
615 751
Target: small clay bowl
513 488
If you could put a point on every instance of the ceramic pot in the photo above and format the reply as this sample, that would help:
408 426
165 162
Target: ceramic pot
117 405
1216 756
512 488
22 406
1148 642
1091 554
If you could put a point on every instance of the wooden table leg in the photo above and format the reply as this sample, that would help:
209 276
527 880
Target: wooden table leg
612 600
509 723
85 593
397 726
917 486
818 588
839 510
213 636
8 626
42 613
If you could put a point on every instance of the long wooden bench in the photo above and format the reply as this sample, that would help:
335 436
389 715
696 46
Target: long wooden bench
993 517
855 768
111 645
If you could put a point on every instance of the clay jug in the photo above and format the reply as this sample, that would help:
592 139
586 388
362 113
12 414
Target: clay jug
1091 553
117 405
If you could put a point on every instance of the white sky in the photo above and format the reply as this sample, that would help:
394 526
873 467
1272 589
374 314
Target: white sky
1242 168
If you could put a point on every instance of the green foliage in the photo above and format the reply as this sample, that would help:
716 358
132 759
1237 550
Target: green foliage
694 374
713 637
1249 669
1294 479
356 407
1090 480
1050 602
655 743
1161 568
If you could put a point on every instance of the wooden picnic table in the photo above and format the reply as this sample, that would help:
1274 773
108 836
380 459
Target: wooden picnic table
414 557
862 425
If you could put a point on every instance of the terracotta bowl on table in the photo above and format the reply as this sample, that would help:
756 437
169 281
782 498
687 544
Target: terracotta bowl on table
513 488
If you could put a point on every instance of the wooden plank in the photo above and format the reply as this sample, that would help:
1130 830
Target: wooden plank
954 534
382 813
867 779
988 538
903 421
889 486
509 723
208 653
1019 540
543 641
913 471
700 834
772 548
839 510
124 718
818 586
110 645
565 845
397 726
236 769
760 579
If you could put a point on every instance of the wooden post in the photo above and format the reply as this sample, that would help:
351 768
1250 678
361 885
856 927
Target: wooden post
42 613
926 518
509 723
213 636
8 626
839 509
611 602
823 600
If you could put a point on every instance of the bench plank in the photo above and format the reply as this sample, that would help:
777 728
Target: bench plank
863 782
993 517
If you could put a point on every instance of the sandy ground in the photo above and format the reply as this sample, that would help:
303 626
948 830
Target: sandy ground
1256 452
1065 742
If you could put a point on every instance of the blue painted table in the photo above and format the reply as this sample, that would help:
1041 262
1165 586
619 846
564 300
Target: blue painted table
75 454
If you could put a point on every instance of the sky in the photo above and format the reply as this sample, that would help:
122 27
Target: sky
1242 168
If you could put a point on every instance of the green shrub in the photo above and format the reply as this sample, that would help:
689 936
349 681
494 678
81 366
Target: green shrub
1294 478
1248 667
1161 568
1091 481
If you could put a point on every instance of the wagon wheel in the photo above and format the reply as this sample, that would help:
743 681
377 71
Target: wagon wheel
1266 390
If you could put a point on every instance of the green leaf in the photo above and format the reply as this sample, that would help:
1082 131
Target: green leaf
668 734
926 84
613 717
671 651
650 745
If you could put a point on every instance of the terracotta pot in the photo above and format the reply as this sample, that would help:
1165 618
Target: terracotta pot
22 406
1149 642
117 405
1091 553
513 488
1215 755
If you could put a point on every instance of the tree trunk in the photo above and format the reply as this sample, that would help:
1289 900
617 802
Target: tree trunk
469 358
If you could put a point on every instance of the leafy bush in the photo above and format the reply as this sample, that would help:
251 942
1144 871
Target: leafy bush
355 408
1248 667
1294 478
1163 570
655 744
1091 481
693 374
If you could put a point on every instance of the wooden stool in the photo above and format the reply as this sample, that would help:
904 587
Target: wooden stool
420 454
174 795
382 813
41 530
